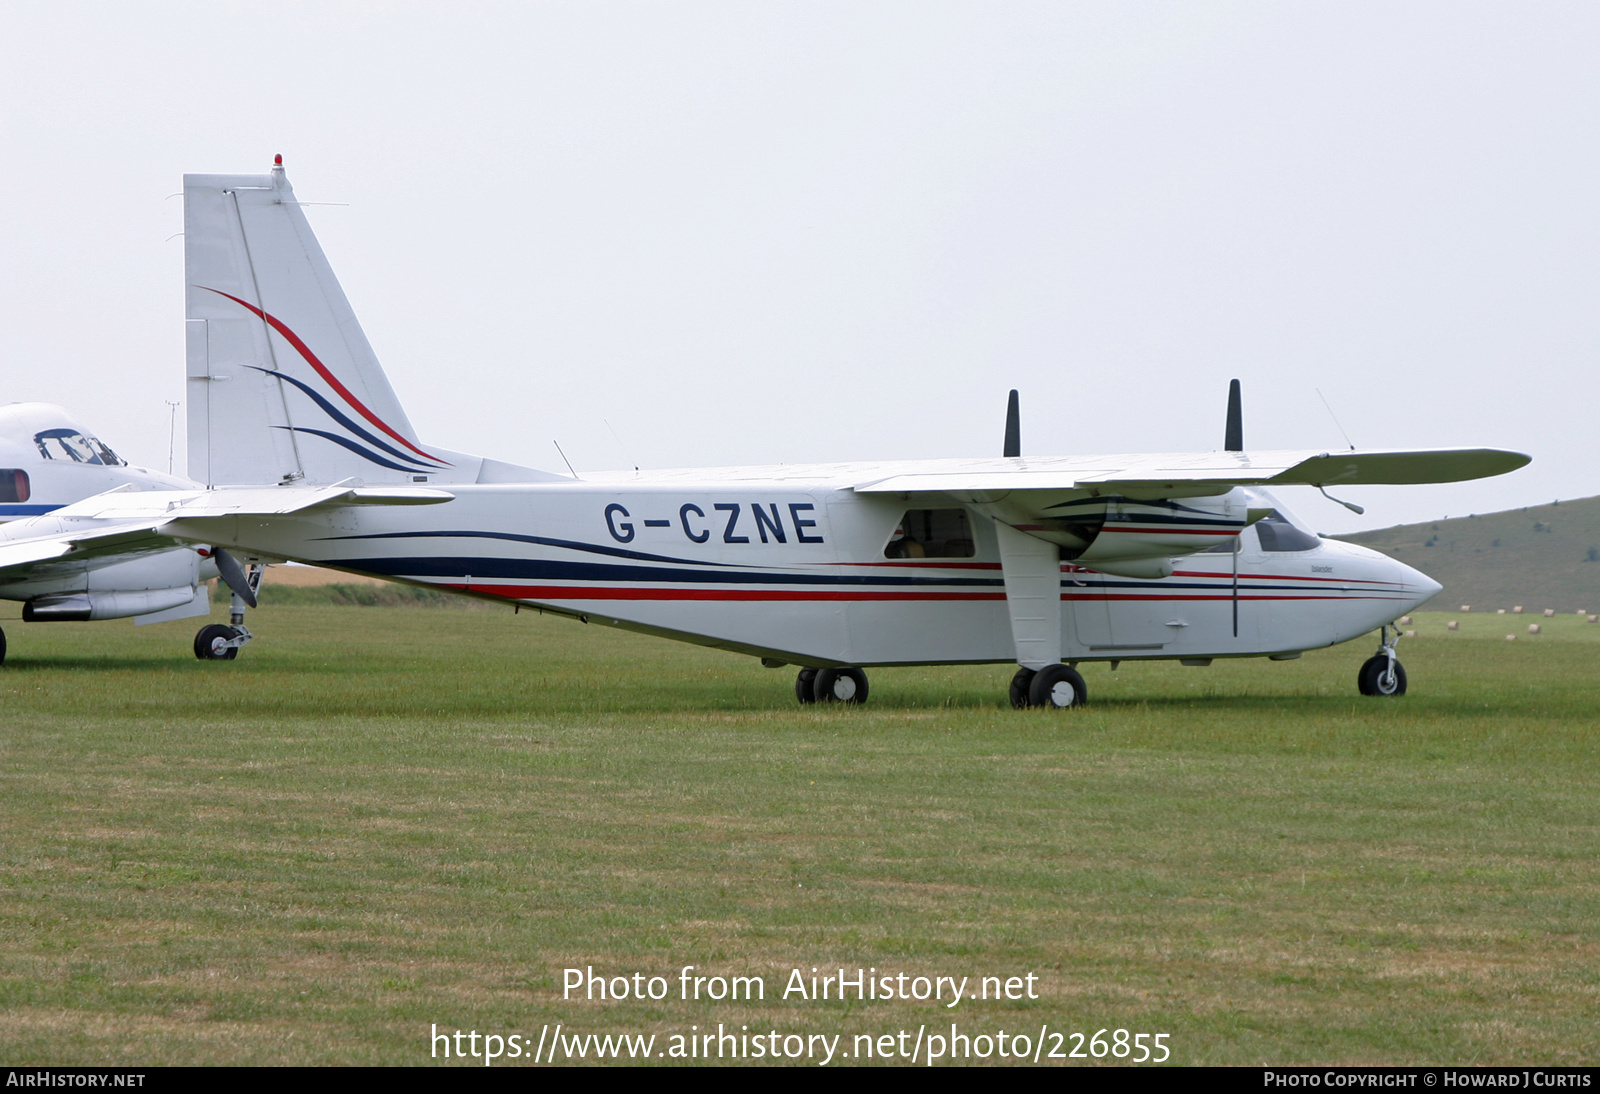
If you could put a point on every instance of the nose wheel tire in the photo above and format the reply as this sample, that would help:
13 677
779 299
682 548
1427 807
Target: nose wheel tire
804 686
1375 678
840 686
1057 687
211 644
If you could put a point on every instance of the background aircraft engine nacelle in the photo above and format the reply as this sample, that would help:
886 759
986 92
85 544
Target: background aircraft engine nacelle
154 583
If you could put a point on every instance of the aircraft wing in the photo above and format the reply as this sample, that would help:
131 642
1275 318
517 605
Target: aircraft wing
1203 473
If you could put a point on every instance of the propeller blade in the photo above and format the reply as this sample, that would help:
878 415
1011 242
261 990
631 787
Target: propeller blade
234 575
1013 427
1234 440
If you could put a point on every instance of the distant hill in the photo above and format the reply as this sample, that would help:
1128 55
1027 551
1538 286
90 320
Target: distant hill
1544 556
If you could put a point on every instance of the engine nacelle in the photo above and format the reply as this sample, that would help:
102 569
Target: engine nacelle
1121 535
140 586
76 607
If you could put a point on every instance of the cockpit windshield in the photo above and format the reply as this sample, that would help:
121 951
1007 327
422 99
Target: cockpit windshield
1277 534
75 447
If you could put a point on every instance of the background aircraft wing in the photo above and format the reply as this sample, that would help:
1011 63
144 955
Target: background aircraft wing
125 523
259 501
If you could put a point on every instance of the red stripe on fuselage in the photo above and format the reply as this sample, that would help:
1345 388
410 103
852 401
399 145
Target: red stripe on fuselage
578 592
322 370
570 592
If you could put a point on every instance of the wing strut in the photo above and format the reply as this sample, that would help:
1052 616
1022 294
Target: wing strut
1032 569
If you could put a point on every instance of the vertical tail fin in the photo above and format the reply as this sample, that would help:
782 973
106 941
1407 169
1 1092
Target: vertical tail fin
282 382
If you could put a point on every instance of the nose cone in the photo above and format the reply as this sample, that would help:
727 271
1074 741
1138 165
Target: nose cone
1415 584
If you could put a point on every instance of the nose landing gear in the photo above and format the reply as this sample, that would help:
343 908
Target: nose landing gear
221 643
1382 674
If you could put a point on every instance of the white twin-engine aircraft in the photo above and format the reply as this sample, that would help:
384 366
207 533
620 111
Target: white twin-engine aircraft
307 455
48 461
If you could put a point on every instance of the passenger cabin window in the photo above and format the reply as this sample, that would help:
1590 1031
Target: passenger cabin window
931 533
1277 534
14 484
75 447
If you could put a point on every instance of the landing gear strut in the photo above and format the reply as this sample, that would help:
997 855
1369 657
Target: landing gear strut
846 685
221 643
1382 674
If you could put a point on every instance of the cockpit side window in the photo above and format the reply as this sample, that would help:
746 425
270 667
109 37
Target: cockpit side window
14 485
932 533
74 447
1277 534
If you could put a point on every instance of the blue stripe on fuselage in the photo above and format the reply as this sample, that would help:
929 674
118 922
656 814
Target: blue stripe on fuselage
543 541
534 569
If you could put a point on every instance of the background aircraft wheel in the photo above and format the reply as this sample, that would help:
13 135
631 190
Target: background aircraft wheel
1019 688
804 686
1374 677
1057 686
840 686
2 647
208 643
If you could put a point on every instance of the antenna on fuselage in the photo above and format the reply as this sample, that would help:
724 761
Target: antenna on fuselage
1013 443
564 457
1233 437
622 446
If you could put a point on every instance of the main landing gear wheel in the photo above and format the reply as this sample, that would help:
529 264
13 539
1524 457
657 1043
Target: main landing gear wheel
804 686
840 686
1375 677
1057 687
215 643
1019 688
1382 673
2 647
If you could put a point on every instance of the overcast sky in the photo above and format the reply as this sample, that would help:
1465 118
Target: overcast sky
751 233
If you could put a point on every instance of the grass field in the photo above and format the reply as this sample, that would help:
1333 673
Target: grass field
382 818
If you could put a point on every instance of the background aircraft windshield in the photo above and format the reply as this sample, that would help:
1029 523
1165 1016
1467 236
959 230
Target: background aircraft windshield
69 444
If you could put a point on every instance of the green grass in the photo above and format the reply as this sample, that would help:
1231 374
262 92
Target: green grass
378 819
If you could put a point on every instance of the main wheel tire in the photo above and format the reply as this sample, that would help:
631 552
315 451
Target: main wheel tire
1057 687
840 686
804 689
1019 689
2 647
208 643
1374 678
